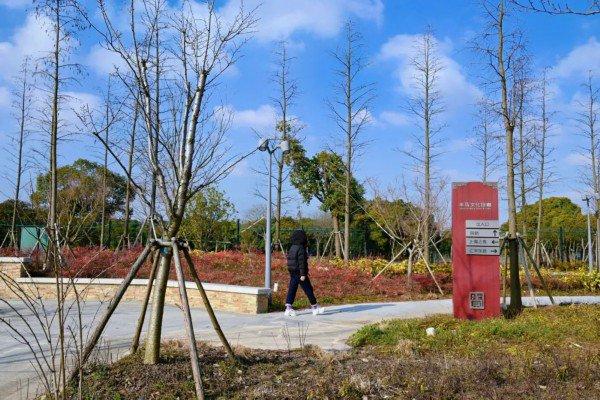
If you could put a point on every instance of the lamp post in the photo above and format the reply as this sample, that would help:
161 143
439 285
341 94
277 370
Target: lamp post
587 198
267 145
589 234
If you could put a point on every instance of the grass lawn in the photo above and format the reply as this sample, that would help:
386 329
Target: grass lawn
548 353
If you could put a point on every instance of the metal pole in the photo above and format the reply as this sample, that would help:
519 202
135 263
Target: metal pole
589 236
268 231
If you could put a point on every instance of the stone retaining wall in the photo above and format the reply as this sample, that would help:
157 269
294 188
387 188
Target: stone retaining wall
239 299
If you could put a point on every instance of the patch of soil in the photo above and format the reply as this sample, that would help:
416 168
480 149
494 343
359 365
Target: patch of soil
365 373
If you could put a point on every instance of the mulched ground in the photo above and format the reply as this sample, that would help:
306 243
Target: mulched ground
365 373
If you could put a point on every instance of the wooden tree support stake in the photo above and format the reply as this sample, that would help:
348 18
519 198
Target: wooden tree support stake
207 305
188 323
391 261
504 269
111 308
140 324
537 270
528 279
430 271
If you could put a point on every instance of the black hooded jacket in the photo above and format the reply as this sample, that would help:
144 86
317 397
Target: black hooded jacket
297 257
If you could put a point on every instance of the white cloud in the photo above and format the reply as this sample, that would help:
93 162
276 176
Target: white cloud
263 117
456 90
460 145
394 118
4 97
31 39
580 60
280 19
15 3
104 61
461 175
577 159
75 102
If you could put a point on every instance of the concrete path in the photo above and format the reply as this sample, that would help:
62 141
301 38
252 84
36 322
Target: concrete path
265 331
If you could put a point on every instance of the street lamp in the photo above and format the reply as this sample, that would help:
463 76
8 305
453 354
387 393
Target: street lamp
270 146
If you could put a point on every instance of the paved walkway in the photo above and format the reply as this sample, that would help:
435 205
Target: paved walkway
265 331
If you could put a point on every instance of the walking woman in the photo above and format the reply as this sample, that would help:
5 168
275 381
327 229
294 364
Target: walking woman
297 263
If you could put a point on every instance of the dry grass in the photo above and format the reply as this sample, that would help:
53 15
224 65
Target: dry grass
551 353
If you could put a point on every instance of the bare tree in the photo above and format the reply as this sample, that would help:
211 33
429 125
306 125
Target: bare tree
543 152
287 127
108 112
189 154
486 144
502 46
587 119
126 240
426 105
64 20
350 110
560 7
524 140
22 105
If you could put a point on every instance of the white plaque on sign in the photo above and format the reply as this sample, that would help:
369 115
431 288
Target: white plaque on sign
483 251
484 224
482 241
482 237
483 233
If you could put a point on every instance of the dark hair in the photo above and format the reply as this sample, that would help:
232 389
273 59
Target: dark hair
299 237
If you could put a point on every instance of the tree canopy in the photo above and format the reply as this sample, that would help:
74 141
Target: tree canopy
80 195
322 178
25 213
208 219
558 212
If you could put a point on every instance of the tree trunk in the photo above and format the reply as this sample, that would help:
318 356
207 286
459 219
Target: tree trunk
542 145
336 236
279 189
516 304
597 236
22 116
126 240
52 213
348 172
152 355
486 150
522 154
104 171
427 157
522 172
591 125
52 253
347 213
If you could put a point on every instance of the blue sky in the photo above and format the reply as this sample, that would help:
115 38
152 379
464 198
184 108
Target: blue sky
568 45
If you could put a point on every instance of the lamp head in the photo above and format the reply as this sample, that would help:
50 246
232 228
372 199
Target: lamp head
263 144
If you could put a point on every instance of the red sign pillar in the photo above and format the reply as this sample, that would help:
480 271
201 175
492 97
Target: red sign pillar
475 250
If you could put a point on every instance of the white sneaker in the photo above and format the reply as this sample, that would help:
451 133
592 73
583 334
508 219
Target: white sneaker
317 310
289 312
